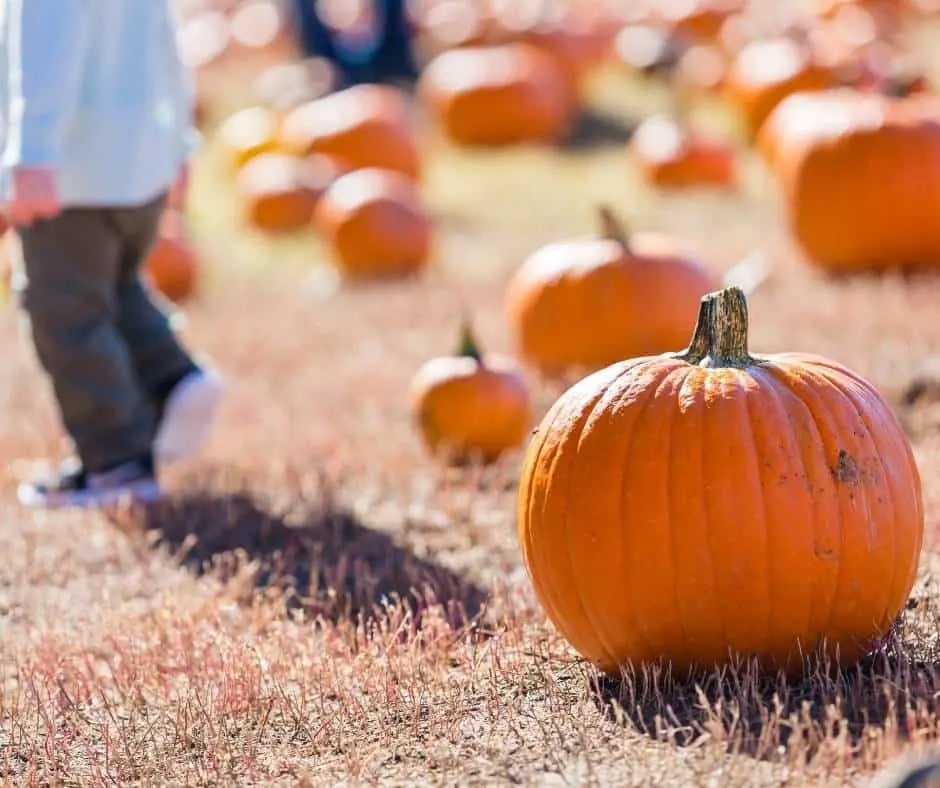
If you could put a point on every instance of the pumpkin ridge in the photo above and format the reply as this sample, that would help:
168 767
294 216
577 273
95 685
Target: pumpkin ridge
762 496
533 457
864 414
770 386
849 394
581 409
826 628
648 393
651 395
709 547
599 633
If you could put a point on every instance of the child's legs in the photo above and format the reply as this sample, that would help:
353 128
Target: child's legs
68 292
158 357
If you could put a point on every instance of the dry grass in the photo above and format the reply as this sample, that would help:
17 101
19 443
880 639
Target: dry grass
320 603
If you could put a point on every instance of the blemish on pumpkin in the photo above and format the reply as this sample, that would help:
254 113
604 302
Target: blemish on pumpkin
846 470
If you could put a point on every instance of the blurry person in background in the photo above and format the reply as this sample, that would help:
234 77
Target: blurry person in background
96 129
366 40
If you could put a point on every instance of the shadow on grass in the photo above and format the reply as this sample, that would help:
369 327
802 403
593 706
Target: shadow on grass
595 129
895 690
328 563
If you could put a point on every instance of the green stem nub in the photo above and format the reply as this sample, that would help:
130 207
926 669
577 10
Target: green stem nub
612 227
720 336
468 346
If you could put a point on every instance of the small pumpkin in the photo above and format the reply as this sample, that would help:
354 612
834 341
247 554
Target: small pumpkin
278 193
466 406
832 151
375 223
498 95
671 155
695 506
587 302
766 71
247 133
171 266
364 126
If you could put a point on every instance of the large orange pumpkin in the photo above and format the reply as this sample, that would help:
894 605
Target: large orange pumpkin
278 193
361 126
693 506
467 406
375 223
672 156
498 95
766 71
860 173
587 302
171 267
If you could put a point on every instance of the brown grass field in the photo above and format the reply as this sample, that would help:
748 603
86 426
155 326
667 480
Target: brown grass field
319 602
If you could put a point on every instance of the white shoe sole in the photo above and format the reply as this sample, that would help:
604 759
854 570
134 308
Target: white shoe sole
141 492
188 417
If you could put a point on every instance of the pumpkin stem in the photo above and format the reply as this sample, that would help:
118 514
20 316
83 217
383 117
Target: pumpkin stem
612 227
468 347
720 336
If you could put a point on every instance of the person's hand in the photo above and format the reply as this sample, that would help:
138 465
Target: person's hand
176 198
34 195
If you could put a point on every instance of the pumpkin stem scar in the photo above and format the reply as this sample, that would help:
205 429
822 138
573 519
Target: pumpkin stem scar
613 227
468 346
720 336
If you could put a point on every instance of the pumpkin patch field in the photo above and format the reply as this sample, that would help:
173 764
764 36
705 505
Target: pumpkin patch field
583 423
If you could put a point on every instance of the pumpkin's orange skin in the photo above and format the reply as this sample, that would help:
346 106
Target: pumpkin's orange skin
248 133
279 193
673 158
766 71
680 513
499 95
364 126
831 152
171 266
375 223
585 303
467 409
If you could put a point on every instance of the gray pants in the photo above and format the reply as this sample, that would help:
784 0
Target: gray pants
100 336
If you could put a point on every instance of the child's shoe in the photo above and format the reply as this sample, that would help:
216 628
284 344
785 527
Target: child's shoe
131 482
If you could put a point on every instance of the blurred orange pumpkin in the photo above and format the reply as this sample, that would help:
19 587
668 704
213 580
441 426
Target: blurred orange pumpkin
466 406
171 266
278 192
860 173
671 156
587 302
375 223
766 71
498 95
362 126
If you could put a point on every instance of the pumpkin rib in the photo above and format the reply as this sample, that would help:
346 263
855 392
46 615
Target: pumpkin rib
624 392
846 519
853 393
626 464
709 546
890 493
772 387
740 378
528 544
823 379
582 409
781 374
599 632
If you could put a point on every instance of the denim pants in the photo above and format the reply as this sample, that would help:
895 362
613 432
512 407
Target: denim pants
101 336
